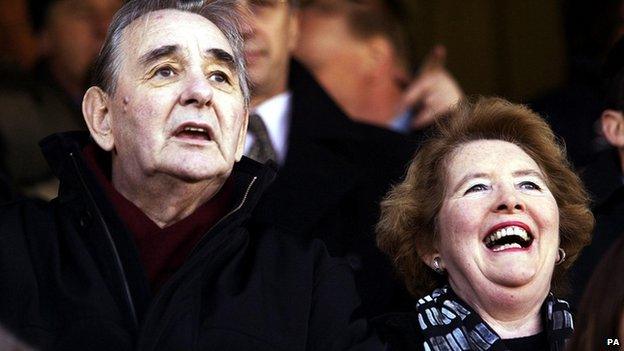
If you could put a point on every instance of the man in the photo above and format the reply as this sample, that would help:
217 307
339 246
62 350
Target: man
604 176
70 34
332 171
383 88
153 242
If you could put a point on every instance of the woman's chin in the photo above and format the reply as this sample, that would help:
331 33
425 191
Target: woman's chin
512 277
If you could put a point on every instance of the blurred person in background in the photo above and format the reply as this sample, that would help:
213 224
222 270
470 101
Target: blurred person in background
487 221
601 313
69 34
604 176
8 342
18 45
332 171
362 52
573 110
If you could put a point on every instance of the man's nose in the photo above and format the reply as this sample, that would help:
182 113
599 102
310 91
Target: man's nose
197 91
509 200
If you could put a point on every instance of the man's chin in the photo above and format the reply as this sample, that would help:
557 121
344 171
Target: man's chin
200 172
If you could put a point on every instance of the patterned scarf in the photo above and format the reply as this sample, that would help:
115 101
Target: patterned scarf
447 323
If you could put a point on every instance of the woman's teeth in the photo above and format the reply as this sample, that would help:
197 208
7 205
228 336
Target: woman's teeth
508 238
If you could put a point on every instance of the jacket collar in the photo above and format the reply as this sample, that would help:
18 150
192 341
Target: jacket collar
314 113
63 151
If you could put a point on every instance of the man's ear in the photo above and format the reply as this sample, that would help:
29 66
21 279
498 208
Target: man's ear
380 49
382 59
242 135
613 127
96 112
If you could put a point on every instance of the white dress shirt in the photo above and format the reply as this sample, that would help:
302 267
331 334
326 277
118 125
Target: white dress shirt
275 115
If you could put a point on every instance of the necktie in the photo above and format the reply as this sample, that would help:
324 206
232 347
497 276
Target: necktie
261 150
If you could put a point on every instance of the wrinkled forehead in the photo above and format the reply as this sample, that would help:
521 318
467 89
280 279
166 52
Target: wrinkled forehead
189 31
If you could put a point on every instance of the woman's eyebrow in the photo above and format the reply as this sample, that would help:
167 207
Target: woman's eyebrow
468 177
526 172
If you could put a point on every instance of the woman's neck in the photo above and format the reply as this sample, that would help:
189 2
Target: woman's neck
510 312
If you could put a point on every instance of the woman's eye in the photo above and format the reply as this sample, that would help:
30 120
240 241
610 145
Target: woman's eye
219 77
476 188
528 185
164 72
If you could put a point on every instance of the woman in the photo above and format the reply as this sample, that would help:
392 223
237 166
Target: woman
482 229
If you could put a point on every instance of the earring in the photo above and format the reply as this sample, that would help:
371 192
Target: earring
561 256
436 265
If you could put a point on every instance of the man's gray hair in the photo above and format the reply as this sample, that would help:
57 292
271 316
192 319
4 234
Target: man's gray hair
227 15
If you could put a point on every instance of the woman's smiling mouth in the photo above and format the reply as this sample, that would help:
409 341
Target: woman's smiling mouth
510 236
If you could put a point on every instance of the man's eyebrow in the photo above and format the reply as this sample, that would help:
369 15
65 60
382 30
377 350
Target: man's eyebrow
158 53
222 56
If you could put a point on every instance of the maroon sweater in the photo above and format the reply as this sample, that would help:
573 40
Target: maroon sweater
162 250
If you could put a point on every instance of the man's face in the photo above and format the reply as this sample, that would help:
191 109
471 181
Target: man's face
328 48
74 33
268 45
178 109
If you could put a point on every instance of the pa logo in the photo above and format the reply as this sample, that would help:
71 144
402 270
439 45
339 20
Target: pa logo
613 342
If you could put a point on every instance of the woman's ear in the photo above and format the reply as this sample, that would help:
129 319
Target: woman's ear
432 259
613 127
96 111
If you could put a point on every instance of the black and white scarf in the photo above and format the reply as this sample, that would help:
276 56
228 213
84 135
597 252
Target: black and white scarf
447 323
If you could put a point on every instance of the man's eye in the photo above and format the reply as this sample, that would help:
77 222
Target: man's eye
476 188
219 77
528 185
164 72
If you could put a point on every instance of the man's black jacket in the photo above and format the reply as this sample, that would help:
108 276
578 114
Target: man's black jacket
71 278
334 174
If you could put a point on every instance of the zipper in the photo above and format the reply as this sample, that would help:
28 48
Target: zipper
198 244
109 237
193 251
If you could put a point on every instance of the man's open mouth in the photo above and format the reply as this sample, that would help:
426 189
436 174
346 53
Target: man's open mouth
193 132
511 237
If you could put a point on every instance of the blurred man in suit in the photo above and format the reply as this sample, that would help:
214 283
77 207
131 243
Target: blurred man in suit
332 171
390 85
70 34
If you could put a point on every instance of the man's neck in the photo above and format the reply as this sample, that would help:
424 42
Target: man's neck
378 105
164 199
258 98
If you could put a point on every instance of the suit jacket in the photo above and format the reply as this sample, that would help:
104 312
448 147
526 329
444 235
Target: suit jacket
334 174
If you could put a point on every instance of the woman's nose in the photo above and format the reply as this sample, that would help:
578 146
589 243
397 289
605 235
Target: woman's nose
510 201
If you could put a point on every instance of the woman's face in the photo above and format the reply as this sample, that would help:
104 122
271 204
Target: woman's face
499 223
